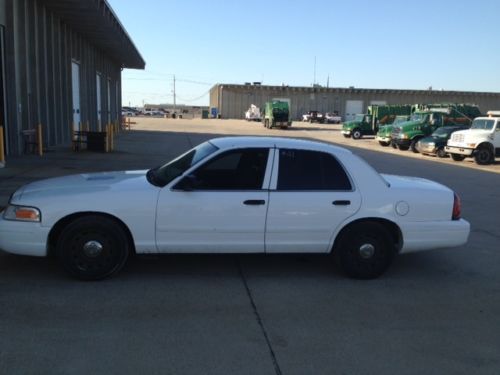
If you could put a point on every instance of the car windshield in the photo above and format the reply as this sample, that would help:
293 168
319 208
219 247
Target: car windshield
421 117
443 132
400 120
359 118
161 176
483 124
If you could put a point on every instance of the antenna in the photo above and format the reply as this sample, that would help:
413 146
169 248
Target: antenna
314 81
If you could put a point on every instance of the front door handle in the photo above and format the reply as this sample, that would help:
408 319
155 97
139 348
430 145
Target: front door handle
341 203
254 202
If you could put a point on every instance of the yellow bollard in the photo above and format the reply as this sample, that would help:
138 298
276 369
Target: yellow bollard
2 151
40 140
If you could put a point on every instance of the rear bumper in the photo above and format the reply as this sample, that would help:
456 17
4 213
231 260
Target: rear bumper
459 150
424 149
419 236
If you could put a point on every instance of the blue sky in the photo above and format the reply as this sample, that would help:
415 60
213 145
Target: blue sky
451 45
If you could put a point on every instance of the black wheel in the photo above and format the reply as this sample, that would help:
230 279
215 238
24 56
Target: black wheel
365 250
457 157
441 153
356 134
393 145
384 144
413 145
403 148
93 247
483 156
347 135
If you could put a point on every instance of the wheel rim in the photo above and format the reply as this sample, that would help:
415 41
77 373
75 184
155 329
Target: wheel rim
366 251
92 249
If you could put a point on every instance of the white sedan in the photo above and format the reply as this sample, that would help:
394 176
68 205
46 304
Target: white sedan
235 195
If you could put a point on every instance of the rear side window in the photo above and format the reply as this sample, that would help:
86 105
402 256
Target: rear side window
311 170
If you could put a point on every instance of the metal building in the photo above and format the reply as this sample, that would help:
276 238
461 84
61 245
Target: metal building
60 66
231 101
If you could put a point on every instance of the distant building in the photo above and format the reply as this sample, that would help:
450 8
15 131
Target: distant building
60 66
231 101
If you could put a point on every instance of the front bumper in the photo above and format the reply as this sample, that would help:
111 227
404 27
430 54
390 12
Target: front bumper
401 142
383 139
419 236
426 149
459 150
346 132
23 238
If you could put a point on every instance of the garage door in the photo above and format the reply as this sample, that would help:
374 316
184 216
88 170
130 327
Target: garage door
352 108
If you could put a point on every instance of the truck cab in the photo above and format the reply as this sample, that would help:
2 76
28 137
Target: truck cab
384 132
361 125
481 141
421 124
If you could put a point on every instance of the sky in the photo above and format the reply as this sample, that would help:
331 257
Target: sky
443 44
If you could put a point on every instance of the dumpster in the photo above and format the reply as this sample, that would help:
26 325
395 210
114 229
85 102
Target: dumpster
96 141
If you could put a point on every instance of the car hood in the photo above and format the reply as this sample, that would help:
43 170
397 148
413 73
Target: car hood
405 182
81 183
472 133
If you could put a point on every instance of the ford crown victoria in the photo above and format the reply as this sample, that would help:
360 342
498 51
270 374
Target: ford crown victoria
235 195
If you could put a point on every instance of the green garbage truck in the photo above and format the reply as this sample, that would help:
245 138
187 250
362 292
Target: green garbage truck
384 131
369 123
427 118
277 114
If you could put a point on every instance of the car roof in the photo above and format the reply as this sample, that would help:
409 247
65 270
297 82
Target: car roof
278 142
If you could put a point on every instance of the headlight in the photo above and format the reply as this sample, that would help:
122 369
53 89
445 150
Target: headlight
22 213
403 136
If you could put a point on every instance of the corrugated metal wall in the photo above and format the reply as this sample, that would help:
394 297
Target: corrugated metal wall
236 99
39 50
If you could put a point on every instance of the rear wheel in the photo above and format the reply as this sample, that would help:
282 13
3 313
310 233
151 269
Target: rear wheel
483 156
457 157
93 247
365 250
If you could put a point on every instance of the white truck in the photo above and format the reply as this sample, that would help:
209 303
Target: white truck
481 141
253 113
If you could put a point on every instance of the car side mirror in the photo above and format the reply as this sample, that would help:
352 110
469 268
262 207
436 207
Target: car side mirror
187 183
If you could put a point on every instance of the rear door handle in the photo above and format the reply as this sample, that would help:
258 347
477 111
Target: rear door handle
254 202
341 203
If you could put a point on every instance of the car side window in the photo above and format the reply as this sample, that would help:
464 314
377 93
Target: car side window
311 170
242 169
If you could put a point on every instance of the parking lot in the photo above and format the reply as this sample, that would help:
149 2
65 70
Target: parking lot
433 313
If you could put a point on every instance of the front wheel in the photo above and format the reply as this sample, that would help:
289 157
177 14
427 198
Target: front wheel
483 156
457 157
365 250
441 153
356 134
384 144
93 247
413 146
403 148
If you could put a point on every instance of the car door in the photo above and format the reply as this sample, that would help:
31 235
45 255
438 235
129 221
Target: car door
311 195
218 207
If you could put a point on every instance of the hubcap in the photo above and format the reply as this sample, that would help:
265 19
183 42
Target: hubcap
366 251
92 249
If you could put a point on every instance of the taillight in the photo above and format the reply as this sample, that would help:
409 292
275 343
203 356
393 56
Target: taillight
457 207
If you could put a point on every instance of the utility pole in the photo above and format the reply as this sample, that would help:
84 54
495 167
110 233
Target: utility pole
175 104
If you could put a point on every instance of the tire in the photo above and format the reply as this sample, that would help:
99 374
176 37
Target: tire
356 134
413 145
457 157
384 144
403 148
483 156
365 250
346 135
93 247
441 153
